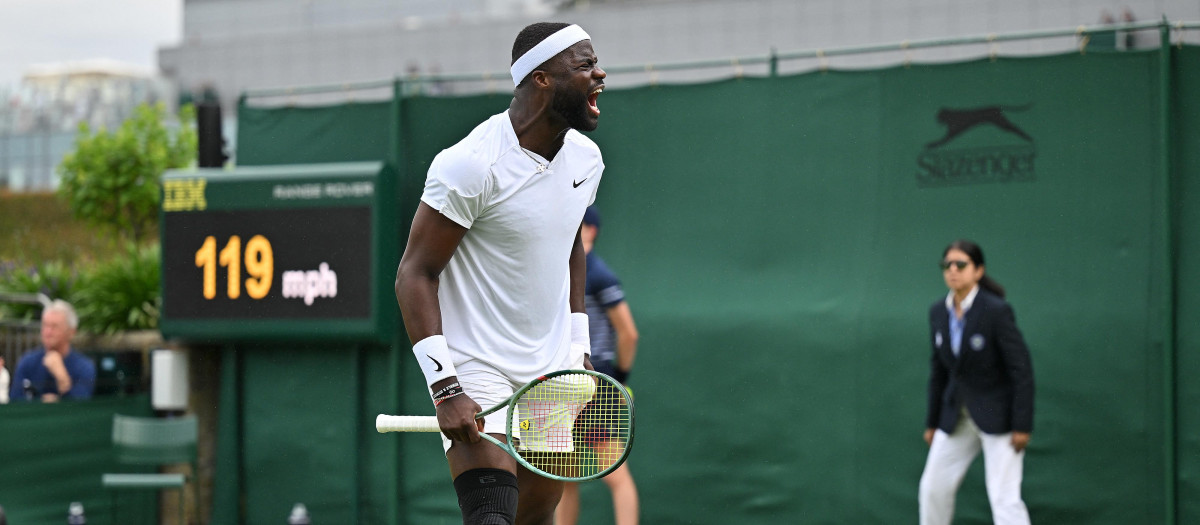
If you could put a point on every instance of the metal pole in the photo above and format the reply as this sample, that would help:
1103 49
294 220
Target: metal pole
317 89
974 39
1167 286
395 355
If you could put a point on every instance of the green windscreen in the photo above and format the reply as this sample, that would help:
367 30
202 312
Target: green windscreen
777 242
1186 246
306 135
55 454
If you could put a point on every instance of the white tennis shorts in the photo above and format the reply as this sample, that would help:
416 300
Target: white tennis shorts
540 427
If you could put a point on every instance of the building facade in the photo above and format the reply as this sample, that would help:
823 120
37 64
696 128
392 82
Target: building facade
43 113
239 45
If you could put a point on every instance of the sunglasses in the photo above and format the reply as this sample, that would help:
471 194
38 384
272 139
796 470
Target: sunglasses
961 265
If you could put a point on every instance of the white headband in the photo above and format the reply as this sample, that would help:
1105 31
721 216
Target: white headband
545 50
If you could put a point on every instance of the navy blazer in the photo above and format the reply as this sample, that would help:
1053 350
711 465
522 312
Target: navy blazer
992 375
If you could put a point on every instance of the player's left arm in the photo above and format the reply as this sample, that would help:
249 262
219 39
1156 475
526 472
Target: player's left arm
578 266
627 337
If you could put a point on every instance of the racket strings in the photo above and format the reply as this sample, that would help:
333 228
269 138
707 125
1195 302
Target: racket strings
573 425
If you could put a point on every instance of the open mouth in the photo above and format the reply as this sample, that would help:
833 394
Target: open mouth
592 107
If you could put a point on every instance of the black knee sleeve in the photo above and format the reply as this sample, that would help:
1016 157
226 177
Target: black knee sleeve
487 496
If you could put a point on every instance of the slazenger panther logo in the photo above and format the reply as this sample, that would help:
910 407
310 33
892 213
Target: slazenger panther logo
958 121
942 164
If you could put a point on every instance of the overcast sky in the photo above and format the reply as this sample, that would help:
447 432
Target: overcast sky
46 31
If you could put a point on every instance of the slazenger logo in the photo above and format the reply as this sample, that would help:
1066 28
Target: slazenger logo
941 163
309 285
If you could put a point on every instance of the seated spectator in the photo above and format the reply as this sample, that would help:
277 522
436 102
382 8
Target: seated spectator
54 371
5 379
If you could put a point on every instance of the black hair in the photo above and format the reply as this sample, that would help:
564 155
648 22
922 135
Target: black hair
532 35
975 253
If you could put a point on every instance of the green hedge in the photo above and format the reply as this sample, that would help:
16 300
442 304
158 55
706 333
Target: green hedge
37 227
120 293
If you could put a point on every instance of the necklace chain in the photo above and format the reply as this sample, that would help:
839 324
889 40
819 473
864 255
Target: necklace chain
540 166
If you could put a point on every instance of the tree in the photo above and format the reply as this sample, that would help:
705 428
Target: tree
111 179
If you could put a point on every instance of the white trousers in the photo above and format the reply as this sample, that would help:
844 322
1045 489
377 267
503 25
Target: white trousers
951 455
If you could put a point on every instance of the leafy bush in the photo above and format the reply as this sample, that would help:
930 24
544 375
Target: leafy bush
54 279
111 182
111 179
122 293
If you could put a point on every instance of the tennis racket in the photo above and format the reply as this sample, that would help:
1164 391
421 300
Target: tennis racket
569 425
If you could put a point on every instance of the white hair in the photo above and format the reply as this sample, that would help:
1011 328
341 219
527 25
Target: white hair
67 310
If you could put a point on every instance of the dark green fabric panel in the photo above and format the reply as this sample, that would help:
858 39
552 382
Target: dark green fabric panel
305 135
227 473
1075 247
379 463
1187 289
777 241
806 301
54 454
301 428
430 124
725 209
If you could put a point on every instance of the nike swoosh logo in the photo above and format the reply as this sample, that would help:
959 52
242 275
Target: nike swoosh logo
435 361
576 184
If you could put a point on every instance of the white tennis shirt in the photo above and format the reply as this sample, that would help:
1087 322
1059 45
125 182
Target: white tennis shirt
505 293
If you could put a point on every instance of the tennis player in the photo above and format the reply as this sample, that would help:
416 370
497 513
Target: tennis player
491 284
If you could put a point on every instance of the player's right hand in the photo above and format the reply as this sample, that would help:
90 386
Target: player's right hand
456 418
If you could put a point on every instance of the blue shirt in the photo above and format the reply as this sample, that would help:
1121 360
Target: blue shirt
957 324
79 367
601 292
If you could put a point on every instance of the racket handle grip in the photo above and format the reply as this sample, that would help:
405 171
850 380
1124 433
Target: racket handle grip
386 423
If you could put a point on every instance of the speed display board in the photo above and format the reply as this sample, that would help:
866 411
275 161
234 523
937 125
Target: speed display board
276 252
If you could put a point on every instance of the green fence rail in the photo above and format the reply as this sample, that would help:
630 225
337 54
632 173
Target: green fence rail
772 60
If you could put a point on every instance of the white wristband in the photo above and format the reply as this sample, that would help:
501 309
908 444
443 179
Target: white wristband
434 358
581 340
